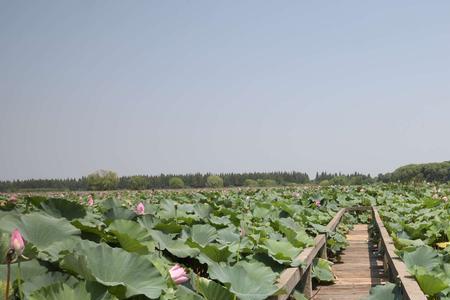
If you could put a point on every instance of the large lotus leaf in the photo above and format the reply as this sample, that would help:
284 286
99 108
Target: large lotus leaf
203 234
40 230
202 210
117 213
430 282
116 267
147 221
43 280
223 220
281 251
60 291
91 228
109 203
28 269
35 200
211 290
214 252
132 236
176 247
130 228
168 227
249 281
321 270
62 208
425 257
168 210
227 236
80 291
183 293
389 291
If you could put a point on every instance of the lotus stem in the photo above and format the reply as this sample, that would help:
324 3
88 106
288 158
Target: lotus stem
9 259
19 279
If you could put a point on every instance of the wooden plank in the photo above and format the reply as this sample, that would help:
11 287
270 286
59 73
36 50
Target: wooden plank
409 285
289 278
336 220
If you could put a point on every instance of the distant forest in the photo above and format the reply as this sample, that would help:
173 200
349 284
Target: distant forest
105 180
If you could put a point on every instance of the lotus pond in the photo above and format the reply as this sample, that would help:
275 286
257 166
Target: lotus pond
226 244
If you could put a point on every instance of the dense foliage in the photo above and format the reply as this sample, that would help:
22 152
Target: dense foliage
118 245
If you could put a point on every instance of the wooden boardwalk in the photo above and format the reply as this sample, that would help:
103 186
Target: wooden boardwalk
357 272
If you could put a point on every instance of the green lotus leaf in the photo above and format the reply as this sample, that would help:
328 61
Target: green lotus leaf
176 247
202 210
281 251
62 208
132 236
28 269
115 267
183 293
60 291
248 280
40 230
425 257
211 290
43 280
431 283
117 213
389 291
321 270
203 234
168 227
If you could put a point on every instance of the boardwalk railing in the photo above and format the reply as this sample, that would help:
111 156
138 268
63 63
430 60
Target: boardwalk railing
290 278
394 267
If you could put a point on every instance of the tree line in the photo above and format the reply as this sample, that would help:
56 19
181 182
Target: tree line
108 180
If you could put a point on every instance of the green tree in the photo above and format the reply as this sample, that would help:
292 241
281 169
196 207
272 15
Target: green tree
176 183
250 182
138 182
214 181
102 180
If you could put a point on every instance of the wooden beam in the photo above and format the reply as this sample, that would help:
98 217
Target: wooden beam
290 277
410 288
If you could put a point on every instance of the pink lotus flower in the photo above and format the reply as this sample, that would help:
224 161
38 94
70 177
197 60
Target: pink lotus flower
242 232
178 274
317 203
17 242
13 198
90 200
140 208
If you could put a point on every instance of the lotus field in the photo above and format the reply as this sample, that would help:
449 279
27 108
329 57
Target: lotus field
211 244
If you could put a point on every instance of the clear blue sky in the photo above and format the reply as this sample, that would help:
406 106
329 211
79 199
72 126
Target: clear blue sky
144 87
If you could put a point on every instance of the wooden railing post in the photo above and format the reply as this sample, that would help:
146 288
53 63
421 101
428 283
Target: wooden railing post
306 283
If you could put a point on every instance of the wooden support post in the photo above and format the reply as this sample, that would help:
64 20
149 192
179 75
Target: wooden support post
306 284
323 251
386 267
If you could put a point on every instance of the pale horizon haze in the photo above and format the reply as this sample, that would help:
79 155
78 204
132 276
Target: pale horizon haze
174 87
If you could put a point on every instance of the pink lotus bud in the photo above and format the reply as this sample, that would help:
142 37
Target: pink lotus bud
178 274
17 242
13 198
90 200
140 208
317 203
445 199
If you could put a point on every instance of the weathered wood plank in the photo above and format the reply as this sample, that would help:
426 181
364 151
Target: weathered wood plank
409 286
289 278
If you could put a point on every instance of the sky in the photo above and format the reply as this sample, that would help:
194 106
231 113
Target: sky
150 87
